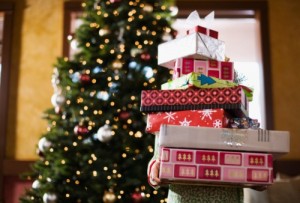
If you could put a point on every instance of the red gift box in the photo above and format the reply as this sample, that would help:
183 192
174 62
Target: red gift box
219 69
203 30
216 118
231 99
215 167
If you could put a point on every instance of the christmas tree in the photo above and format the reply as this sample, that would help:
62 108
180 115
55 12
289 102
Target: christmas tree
95 148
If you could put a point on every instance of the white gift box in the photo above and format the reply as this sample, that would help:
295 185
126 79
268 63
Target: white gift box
195 45
275 142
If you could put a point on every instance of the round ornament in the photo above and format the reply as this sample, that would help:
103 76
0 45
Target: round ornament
44 144
114 1
135 51
75 77
145 56
137 197
74 44
105 133
80 130
55 80
36 184
49 198
85 78
109 197
124 115
57 99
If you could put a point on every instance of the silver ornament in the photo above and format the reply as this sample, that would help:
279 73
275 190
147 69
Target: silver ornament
49 198
57 99
105 133
44 144
36 184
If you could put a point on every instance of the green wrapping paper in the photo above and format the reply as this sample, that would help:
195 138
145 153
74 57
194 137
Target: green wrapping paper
199 80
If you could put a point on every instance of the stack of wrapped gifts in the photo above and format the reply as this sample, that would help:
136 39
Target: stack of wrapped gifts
205 133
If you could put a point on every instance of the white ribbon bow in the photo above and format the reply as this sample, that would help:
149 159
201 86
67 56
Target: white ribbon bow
194 19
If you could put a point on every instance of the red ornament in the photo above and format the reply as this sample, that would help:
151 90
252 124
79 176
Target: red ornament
80 130
114 1
85 78
124 115
137 197
145 56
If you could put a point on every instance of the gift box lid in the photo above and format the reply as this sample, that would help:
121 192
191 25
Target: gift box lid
275 142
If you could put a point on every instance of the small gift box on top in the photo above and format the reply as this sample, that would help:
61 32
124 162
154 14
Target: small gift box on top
200 42
196 45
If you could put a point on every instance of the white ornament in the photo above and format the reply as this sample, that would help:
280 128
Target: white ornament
103 95
74 44
36 184
174 10
49 198
57 99
105 133
44 144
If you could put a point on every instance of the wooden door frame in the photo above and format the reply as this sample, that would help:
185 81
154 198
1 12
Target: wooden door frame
7 8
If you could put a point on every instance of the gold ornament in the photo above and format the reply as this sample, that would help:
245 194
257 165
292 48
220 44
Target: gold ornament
109 196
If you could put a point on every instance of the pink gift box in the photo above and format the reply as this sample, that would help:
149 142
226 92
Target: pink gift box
219 69
215 167
216 118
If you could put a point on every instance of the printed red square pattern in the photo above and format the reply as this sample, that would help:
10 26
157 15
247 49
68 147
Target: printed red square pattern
232 99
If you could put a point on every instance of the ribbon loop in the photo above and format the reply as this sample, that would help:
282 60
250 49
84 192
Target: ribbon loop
194 19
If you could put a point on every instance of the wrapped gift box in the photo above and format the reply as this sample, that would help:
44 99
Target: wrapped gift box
215 167
196 45
219 69
275 142
216 118
198 80
231 99
203 30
